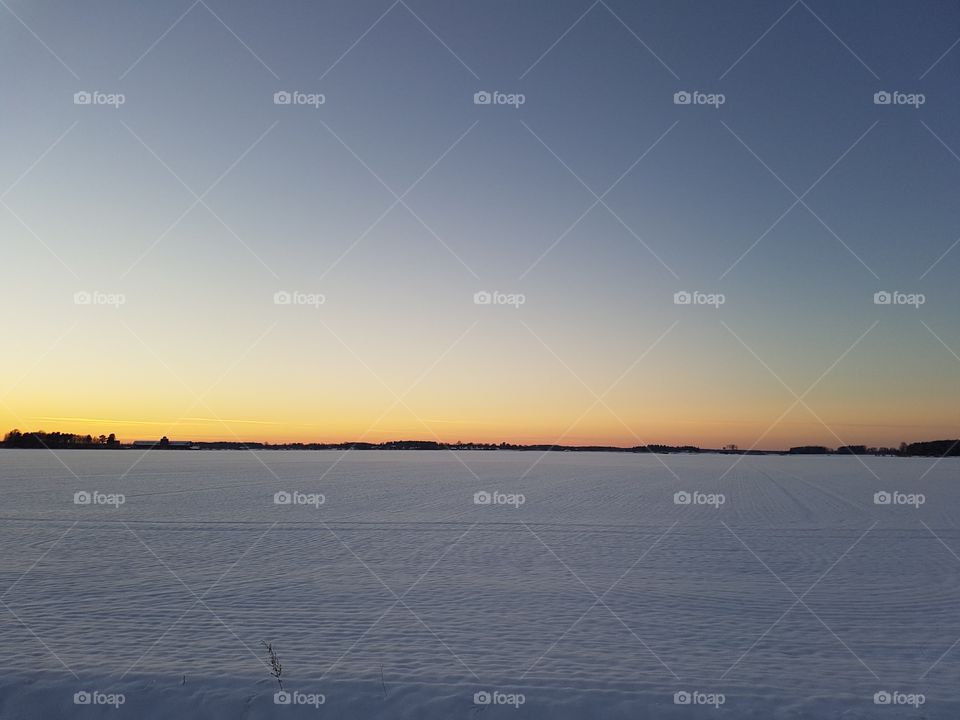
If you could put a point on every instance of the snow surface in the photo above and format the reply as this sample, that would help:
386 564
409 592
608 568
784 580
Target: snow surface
399 597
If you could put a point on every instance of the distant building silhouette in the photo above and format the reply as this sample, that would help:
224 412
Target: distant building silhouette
164 443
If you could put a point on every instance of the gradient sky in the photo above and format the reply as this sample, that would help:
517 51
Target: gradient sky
105 199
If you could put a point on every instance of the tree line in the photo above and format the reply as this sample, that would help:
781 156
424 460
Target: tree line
58 440
61 440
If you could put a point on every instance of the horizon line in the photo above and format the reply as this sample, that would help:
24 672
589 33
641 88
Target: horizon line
413 444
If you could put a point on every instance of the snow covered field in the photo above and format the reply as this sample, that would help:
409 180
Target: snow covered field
586 587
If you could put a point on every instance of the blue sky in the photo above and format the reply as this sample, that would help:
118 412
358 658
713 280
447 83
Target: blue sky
293 197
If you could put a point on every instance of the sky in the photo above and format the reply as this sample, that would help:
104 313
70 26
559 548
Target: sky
187 255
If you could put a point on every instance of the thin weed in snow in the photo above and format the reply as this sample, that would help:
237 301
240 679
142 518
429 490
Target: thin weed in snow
276 669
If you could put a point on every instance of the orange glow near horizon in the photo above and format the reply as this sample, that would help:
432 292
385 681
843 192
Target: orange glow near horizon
594 429
490 381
